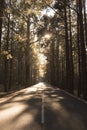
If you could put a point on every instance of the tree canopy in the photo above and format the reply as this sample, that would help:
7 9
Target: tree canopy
44 41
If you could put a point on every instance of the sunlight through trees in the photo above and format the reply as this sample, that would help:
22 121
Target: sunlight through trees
44 41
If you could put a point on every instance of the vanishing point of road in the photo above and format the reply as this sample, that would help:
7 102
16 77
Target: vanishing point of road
42 107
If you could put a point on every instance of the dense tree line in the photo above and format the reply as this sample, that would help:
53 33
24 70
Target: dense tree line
74 33
27 56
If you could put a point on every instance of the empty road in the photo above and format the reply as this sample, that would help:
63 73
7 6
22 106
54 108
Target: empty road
41 107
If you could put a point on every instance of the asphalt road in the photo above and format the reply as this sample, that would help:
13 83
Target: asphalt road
41 107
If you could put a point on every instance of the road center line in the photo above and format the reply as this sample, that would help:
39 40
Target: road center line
42 111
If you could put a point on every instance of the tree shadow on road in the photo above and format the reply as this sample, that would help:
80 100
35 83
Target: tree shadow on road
63 112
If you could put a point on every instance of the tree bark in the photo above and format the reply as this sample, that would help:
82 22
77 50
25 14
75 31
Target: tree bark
6 72
83 51
27 54
2 3
67 50
70 55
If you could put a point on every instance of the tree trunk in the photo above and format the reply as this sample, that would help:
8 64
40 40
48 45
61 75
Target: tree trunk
11 67
6 72
79 54
85 22
2 3
27 54
83 52
57 60
52 60
71 56
67 50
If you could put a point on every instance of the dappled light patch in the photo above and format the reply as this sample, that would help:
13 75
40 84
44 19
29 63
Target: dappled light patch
61 97
22 109
54 95
19 120
12 110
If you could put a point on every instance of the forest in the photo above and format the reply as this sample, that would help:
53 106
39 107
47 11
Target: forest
44 41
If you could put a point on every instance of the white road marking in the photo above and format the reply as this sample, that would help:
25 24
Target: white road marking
42 111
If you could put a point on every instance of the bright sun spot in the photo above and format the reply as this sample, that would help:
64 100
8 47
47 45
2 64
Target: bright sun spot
49 12
42 64
47 36
86 6
42 59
